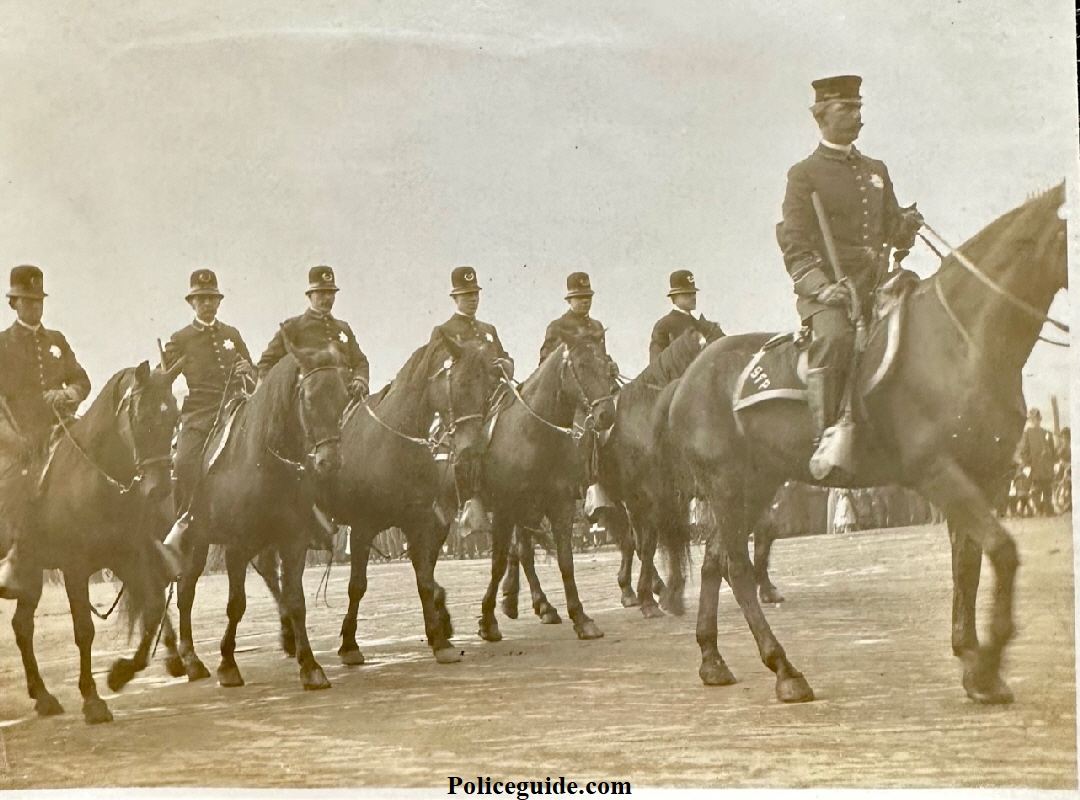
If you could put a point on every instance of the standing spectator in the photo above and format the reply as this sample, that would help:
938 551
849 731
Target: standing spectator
1037 454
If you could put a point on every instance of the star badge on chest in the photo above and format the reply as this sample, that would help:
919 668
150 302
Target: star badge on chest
55 351
489 337
343 337
876 181
229 344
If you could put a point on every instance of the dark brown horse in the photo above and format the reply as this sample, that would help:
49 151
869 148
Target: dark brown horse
647 497
532 468
101 501
945 421
389 475
260 494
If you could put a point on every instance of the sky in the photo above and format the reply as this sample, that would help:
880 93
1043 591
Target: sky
395 141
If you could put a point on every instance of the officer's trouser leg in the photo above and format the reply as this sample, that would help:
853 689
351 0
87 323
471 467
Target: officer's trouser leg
187 468
829 359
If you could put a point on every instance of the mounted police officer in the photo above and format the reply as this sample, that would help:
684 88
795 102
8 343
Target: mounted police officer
682 318
41 383
318 328
576 321
217 367
865 220
465 327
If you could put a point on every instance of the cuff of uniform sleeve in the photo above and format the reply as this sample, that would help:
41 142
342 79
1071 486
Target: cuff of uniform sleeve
811 282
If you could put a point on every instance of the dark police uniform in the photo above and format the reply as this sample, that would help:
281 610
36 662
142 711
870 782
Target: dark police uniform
211 355
865 219
34 361
312 330
677 322
572 324
466 328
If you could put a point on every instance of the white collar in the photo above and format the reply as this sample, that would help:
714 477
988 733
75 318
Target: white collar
199 325
34 328
471 317
843 148
684 311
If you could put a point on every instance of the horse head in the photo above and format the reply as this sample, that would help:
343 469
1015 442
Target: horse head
460 392
322 398
148 416
587 378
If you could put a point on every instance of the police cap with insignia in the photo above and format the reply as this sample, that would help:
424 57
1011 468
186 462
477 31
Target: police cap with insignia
838 87
463 280
203 283
577 285
321 279
682 282
27 281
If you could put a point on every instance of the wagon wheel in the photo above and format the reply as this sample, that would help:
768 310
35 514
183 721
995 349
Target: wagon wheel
1062 498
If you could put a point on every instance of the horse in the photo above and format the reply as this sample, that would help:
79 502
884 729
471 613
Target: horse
531 467
101 500
389 475
945 421
259 493
645 498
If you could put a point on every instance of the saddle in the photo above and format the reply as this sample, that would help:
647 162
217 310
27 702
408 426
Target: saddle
778 370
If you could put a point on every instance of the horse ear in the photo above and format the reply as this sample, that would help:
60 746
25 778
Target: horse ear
289 347
174 370
142 372
455 347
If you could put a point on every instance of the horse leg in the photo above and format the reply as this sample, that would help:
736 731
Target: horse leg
266 564
966 569
561 516
292 592
236 566
501 531
423 551
140 582
22 623
360 539
763 542
970 517
78 592
713 671
185 598
645 538
624 536
511 585
174 665
526 553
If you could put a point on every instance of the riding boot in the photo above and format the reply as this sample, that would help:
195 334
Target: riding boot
14 577
834 441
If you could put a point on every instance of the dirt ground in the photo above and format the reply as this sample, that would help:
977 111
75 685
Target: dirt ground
866 620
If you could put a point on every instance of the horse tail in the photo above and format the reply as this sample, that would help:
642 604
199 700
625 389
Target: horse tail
145 583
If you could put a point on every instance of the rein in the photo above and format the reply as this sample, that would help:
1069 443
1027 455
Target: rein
296 465
989 282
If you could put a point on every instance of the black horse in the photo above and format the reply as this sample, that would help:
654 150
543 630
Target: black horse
389 476
532 469
945 421
102 500
260 494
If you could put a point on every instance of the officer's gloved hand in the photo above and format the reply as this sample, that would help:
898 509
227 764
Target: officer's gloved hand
358 389
62 399
835 294
907 228
613 368
244 369
503 366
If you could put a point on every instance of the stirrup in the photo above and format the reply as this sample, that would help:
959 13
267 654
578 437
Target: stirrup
836 451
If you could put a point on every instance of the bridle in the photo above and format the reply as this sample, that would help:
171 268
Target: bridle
451 427
333 439
141 463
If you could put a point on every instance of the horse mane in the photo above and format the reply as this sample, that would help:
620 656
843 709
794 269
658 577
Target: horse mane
413 375
269 407
990 238
667 366
100 416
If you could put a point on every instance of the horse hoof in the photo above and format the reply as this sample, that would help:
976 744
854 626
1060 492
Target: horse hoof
174 665
770 594
489 631
229 677
351 658
651 611
793 690
716 673
550 617
588 630
510 608
629 599
196 670
120 674
48 706
448 655
314 679
987 692
95 712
